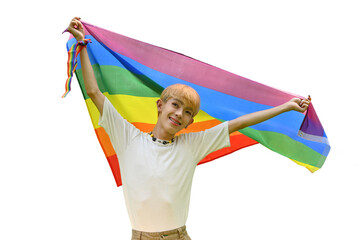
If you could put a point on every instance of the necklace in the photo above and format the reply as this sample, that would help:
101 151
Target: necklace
159 140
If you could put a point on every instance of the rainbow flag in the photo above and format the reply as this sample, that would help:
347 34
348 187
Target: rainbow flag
132 75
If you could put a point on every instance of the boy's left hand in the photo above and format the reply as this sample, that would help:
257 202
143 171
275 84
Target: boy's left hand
300 105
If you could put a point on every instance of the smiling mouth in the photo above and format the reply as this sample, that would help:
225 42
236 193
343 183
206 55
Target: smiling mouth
175 122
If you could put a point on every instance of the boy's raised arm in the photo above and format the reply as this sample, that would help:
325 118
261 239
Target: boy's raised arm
91 86
261 116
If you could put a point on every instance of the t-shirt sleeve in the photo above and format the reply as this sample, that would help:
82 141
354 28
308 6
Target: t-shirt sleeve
208 141
120 131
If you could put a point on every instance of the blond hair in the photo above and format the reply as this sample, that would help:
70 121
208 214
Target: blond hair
183 92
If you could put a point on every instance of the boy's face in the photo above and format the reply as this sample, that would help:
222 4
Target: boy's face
174 115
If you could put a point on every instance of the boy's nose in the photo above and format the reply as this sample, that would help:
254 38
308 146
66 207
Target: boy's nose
178 112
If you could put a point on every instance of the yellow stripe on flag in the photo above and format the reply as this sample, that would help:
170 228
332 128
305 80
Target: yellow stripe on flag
311 168
135 109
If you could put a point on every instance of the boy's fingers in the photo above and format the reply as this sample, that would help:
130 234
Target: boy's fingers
296 100
73 22
78 24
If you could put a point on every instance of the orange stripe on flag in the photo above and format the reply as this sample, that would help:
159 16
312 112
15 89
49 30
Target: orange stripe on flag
144 127
237 142
110 154
105 142
200 126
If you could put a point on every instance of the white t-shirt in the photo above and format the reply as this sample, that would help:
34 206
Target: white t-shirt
157 178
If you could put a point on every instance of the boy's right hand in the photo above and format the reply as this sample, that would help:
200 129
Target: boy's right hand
76 29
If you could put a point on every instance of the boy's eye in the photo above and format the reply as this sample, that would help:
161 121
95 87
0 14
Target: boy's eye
188 112
174 104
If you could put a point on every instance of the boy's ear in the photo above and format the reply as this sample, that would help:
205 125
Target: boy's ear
159 104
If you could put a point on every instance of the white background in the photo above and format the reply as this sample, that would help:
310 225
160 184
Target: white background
55 182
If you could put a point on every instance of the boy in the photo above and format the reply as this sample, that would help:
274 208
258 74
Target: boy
157 168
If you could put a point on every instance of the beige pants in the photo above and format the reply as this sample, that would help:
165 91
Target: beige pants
176 234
